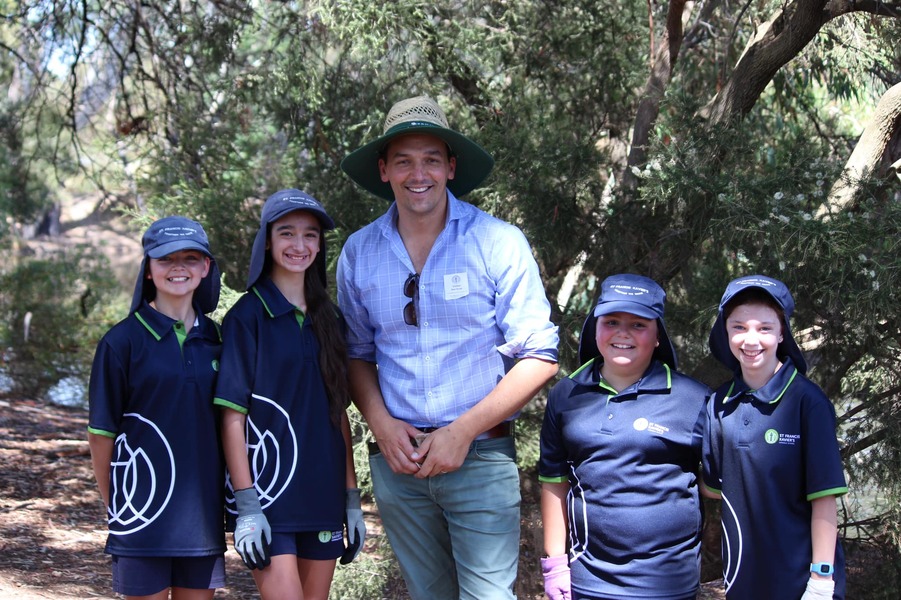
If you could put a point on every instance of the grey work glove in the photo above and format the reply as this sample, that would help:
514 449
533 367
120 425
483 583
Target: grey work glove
356 528
252 532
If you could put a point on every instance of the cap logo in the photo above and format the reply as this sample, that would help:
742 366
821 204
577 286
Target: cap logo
299 200
629 290
178 231
755 282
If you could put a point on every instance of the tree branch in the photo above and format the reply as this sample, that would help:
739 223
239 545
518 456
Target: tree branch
870 148
877 8
664 58
776 42
864 443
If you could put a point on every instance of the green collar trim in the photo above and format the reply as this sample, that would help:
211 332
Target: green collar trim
266 306
155 335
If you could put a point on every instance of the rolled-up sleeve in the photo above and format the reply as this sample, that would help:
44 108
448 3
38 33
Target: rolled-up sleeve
523 310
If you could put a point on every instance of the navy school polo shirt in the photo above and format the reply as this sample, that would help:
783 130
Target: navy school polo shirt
631 460
270 372
151 390
770 452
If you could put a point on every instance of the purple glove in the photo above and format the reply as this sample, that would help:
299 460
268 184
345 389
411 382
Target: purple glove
556 577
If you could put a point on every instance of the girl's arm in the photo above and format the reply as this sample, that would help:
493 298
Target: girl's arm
101 456
234 447
554 517
823 531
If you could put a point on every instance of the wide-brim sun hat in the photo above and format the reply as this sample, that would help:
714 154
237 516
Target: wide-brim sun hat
636 295
277 206
167 236
419 115
778 291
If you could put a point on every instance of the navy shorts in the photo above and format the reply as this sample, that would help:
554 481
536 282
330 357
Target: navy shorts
312 545
146 575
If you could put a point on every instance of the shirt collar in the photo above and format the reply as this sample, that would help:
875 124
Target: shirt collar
159 325
771 392
657 379
273 300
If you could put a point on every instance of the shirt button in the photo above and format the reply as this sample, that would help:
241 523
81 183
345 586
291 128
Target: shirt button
610 416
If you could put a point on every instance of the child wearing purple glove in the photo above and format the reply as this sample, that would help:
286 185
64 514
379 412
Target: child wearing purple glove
284 392
620 454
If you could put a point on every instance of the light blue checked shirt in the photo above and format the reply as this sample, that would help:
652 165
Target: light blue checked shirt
481 306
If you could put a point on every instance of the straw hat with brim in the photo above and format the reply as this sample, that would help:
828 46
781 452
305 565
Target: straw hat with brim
636 295
167 236
277 206
419 115
778 291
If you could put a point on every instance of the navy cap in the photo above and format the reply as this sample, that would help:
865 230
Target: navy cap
719 337
171 234
167 236
278 205
633 294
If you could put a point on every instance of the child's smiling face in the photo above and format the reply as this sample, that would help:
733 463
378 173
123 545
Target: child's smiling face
755 332
178 274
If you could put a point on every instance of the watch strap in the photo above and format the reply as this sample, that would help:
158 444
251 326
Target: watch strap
822 568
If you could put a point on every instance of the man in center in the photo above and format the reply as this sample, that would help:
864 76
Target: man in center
449 336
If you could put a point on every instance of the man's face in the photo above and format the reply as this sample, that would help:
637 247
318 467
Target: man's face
417 167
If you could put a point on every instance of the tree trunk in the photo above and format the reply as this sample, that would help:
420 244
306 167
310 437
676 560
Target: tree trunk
868 153
649 105
777 41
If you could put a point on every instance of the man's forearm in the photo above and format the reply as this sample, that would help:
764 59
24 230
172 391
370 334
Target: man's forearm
511 394
365 391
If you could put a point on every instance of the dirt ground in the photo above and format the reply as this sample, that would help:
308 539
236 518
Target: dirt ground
52 527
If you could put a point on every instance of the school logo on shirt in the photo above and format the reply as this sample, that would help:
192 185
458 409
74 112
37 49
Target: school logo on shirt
272 464
642 424
141 477
787 439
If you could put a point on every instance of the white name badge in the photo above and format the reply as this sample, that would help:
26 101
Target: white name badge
456 285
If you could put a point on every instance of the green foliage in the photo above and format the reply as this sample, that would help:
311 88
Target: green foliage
372 575
54 312
22 197
242 99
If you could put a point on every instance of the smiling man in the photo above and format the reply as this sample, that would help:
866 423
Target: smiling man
449 336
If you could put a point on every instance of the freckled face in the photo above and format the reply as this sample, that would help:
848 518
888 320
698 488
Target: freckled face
626 341
754 334
178 274
294 242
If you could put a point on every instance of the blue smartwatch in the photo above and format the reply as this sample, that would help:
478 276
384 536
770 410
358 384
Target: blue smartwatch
822 568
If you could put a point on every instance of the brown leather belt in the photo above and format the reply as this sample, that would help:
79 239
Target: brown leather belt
500 430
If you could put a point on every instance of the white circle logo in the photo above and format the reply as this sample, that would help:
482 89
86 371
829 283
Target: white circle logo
272 465
640 424
141 490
